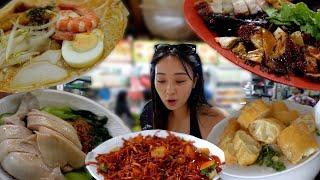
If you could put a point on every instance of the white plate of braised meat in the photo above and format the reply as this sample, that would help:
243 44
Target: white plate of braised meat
278 41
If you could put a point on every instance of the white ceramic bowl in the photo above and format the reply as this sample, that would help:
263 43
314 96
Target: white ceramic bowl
117 142
48 97
307 169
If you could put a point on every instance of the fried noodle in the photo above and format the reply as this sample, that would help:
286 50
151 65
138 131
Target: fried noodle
152 157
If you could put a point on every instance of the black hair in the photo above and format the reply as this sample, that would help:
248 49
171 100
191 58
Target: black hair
196 99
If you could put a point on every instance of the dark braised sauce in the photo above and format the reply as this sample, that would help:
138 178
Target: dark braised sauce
292 58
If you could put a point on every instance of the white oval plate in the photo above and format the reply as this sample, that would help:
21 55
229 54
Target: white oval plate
117 142
48 97
307 169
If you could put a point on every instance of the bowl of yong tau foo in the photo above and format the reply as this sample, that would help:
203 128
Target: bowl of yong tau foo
269 140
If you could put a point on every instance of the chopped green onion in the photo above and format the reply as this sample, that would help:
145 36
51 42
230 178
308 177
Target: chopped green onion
270 158
204 172
103 167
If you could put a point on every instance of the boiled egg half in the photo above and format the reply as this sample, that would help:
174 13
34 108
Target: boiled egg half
85 50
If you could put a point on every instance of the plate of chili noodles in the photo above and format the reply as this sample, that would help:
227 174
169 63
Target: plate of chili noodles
155 154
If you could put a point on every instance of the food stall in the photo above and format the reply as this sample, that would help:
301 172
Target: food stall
79 99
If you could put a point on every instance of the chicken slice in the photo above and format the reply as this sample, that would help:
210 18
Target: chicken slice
227 7
28 102
227 42
37 118
56 150
26 166
13 132
27 145
263 4
253 6
255 56
240 7
216 6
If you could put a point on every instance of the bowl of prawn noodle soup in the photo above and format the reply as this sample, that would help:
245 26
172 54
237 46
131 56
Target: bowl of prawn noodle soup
25 67
116 143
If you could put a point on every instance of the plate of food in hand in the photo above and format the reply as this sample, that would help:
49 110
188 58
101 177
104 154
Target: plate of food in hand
269 140
155 154
45 43
46 134
275 39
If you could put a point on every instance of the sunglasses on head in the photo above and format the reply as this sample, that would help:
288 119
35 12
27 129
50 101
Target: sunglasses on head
182 48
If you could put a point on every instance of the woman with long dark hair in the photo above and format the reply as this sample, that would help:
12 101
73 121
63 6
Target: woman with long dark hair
178 101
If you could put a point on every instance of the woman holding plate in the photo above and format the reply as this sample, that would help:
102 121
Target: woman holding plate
178 101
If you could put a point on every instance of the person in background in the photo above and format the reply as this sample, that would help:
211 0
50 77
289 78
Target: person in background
122 109
178 101
301 98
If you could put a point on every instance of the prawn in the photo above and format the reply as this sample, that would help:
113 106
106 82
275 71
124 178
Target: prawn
63 35
76 19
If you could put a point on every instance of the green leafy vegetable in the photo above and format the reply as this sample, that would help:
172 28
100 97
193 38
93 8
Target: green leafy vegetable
65 113
297 15
91 118
270 158
99 132
317 132
78 174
